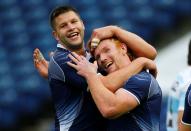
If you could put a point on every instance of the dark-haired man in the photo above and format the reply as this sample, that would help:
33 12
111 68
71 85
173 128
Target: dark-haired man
75 109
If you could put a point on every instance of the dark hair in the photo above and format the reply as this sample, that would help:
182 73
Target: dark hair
60 10
189 53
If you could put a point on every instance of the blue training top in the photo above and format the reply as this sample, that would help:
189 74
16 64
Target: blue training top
146 116
74 106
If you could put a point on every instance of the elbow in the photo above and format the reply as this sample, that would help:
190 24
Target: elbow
108 113
154 54
108 84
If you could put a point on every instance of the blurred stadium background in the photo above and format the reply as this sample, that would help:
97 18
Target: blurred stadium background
25 99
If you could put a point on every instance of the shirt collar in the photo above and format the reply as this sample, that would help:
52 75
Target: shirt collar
60 46
88 56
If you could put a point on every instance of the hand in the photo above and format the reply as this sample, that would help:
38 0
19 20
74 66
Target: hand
150 64
83 66
40 63
101 33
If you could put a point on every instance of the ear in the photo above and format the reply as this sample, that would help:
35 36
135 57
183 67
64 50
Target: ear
54 33
83 25
124 48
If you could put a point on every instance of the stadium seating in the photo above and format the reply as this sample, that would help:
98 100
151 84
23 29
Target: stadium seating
24 26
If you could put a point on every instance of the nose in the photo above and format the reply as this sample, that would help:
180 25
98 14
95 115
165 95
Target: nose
103 58
70 26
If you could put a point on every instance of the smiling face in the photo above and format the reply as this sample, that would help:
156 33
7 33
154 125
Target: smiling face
69 30
111 55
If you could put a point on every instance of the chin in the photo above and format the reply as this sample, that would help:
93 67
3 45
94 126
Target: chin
110 71
78 43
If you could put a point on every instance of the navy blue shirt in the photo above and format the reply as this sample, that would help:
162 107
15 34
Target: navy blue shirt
186 119
74 106
146 116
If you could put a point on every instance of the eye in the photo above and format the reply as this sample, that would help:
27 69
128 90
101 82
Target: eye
97 57
62 25
74 21
106 50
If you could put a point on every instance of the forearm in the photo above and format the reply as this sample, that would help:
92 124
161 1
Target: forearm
118 78
139 46
103 98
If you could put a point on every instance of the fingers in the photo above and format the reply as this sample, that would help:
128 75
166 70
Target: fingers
155 73
95 63
37 55
93 42
73 58
72 65
78 57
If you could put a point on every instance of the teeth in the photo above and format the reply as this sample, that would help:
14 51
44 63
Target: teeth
108 64
73 34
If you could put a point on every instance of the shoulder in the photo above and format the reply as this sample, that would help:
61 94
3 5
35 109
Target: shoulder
140 79
58 68
139 85
60 56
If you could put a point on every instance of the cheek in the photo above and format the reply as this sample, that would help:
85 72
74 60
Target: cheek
117 59
99 63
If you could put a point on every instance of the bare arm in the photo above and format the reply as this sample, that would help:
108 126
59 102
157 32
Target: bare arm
184 127
110 104
40 63
180 114
139 47
117 79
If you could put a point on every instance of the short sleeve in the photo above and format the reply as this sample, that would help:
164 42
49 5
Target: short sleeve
138 86
60 70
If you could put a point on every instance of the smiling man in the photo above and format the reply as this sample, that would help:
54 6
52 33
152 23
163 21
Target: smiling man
74 108
133 107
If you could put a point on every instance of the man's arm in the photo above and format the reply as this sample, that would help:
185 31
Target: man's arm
71 78
139 47
182 95
184 127
180 114
40 63
117 79
111 105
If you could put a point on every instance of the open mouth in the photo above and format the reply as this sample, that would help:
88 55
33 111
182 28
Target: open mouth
107 65
73 35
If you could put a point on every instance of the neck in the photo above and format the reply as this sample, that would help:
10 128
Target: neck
126 61
81 52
